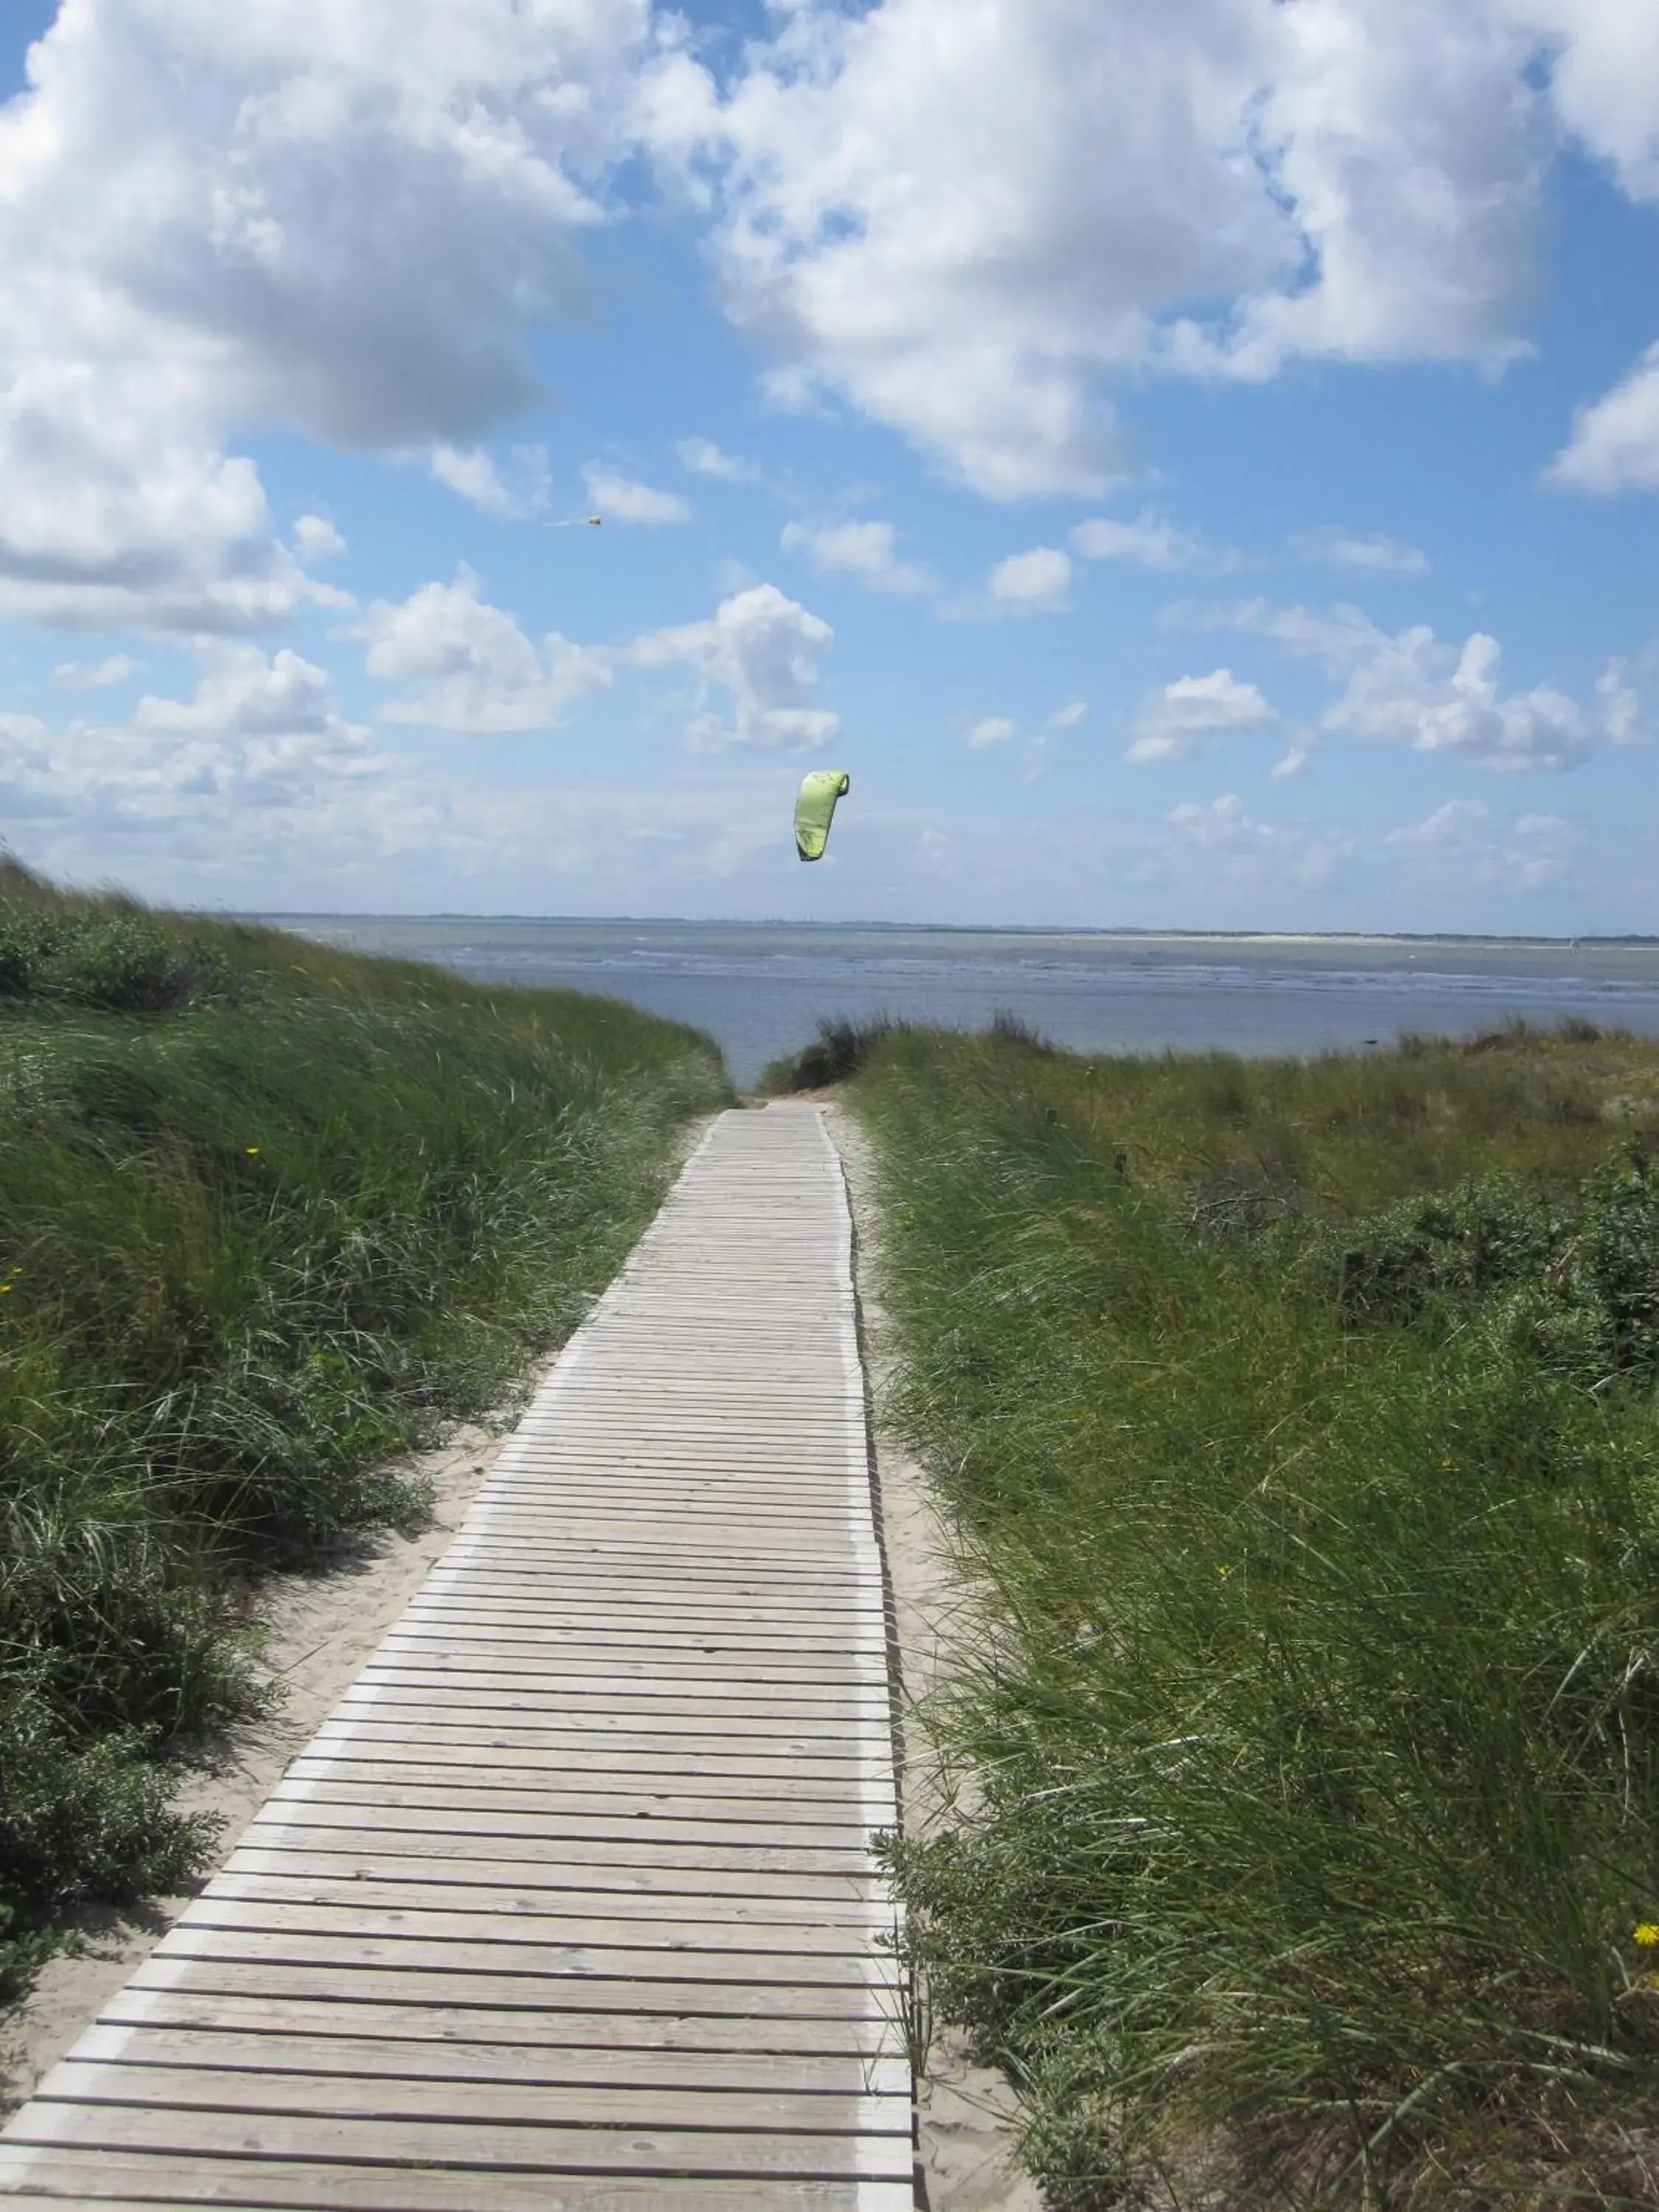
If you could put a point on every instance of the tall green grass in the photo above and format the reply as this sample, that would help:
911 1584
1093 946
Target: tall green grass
1299 1422
271 1217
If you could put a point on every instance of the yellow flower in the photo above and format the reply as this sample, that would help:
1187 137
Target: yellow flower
1647 1936
6 1289
252 1151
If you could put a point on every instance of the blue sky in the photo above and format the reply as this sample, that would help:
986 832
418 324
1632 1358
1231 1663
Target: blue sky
1194 467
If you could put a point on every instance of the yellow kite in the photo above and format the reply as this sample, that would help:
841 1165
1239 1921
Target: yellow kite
815 809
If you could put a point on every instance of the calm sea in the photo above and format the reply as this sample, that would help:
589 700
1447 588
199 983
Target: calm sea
760 988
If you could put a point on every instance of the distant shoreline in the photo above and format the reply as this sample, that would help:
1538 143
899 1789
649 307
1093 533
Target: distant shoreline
1632 941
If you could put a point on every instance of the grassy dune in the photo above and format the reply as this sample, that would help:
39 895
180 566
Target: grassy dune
270 1217
1301 1420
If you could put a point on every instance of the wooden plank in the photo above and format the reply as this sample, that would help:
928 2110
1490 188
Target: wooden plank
276 1979
304 1914
826 1974
635 1779
70 2183
732 1843
493 2149
141 2084
615 2038
335 1829
430 1905
642 1874
275 2050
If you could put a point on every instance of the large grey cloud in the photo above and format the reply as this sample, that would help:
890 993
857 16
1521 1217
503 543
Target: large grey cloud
341 219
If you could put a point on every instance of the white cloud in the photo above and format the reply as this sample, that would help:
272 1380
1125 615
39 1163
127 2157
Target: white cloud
1267 854
341 222
116 669
1528 853
1192 713
261 738
622 498
865 549
1615 445
475 476
1031 581
1067 718
316 539
1152 542
995 730
1604 58
1348 549
969 216
1605 84
1620 706
703 458
1416 691
764 649
469 668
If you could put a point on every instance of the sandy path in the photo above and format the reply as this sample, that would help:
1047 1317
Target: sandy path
966 2112
322 1626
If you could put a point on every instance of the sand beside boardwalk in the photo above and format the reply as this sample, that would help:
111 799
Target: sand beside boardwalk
966 2112
322 1627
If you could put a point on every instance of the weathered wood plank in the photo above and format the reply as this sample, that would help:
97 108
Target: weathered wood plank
66 2180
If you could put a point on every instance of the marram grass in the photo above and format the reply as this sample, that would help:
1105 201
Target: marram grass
1299 1422
270 1216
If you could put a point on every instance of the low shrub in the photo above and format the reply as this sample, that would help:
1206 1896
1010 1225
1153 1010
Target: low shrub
841 1049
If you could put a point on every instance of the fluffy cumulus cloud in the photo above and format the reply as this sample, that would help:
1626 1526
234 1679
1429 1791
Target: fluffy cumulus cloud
260 747
316 539
867 551
970 216
464 666
761 649
1033 582
1615 445
459 664
1195 712
341 220
1415 690
1604 64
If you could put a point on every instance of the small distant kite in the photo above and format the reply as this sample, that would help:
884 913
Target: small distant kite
815 809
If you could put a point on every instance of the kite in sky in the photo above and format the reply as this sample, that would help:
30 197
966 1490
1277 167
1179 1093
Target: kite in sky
815 809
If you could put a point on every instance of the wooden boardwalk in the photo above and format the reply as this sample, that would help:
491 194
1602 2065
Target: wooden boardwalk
568 1906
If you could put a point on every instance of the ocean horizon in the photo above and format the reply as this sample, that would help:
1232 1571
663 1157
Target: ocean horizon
762 987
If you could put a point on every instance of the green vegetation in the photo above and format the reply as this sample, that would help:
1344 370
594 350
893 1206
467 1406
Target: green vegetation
1300 1423
271 1217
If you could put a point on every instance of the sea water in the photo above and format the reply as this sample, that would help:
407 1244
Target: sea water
760 988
